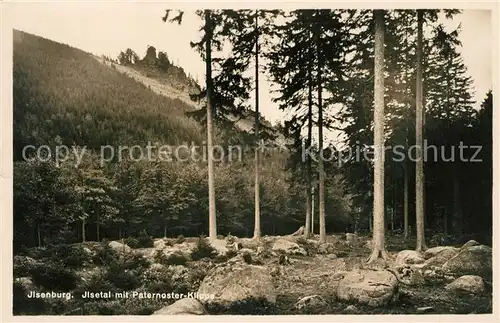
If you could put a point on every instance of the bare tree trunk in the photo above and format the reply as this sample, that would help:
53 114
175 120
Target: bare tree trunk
83 230
378 187
309 204
39 235
164 231
419 171
256 233
212 226
312 211
97 227
321 191
457 208
119 233
405 202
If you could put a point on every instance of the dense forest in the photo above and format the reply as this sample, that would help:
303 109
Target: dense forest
392 76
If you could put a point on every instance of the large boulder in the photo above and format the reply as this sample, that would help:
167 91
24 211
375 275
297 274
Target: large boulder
440 258
470 243
119 247
238 283
475 260
432 252
409 257
369 287
184 306
468 283
288 247
219 245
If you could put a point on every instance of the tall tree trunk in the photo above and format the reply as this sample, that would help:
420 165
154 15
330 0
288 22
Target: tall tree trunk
445 220
309 203
83 230
39 235
312 210
97 227
457 208
378 186
321 191
212 220
405 202
393 213
256 233
165 230
119 233
419 171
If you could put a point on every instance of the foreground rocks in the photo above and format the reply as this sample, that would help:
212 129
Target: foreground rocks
474 260
468 283
185 306
238 283
369 287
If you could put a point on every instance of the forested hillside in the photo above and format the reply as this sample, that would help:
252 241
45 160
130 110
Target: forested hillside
64 96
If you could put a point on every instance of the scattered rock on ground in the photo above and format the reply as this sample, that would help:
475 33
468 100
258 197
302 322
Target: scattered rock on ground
410 275
184 306
311 302
425 309
351 309
368 287
468 283
120 247
409 257
238 283
159 244
351 237
27 283
474 260
288 247
326 248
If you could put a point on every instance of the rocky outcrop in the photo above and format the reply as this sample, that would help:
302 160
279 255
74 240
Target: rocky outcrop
369 287
185 306
468 283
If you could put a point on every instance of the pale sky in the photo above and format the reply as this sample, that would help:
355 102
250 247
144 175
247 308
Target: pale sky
109 27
